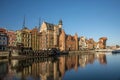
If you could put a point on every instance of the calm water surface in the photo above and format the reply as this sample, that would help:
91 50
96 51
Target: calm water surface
99 66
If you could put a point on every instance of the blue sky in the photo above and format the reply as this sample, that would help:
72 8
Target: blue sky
90 18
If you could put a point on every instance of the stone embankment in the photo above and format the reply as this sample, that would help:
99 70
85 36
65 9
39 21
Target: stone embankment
32 54
3 54
82 52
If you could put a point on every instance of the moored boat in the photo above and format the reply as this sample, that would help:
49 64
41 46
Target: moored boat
116 51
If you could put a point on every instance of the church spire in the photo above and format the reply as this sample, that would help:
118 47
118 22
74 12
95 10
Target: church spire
60 22
39 23
24 22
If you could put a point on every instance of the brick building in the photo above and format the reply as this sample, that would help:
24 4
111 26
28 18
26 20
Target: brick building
68 42
62 41
71 42
102 42
35 39
90 43
50 35
12 38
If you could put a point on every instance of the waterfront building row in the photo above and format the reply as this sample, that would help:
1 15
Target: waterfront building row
85 43
47 36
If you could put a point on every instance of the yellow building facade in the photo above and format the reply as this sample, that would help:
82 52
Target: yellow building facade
26 37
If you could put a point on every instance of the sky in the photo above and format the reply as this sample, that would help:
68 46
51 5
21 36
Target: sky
89 18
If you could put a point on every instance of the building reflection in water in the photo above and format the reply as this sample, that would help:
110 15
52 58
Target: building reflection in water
102 59
47 68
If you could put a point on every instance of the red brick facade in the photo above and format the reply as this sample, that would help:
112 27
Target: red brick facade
68 42
12 38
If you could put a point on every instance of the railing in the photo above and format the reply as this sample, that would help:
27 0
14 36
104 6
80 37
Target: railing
4 54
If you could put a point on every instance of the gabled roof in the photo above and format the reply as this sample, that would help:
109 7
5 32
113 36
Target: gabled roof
49 26
3 30
104 38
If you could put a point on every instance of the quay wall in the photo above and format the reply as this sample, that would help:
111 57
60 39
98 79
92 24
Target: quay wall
81 52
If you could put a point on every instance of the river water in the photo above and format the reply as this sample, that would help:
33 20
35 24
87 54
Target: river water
98 66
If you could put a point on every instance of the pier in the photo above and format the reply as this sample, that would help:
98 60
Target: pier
32 54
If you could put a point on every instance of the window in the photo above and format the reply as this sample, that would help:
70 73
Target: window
3 42
3 38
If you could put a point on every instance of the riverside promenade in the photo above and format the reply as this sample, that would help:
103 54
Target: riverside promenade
82 52
42 54
32 54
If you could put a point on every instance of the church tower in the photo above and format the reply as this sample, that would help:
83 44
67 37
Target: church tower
60 24
39 25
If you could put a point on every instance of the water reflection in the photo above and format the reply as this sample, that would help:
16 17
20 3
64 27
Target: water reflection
102 59
46 68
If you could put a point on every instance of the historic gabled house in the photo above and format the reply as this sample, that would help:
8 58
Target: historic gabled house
3 39
12 38
26 37
35 39
50 35
23 37
102 43
68 42
82 43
